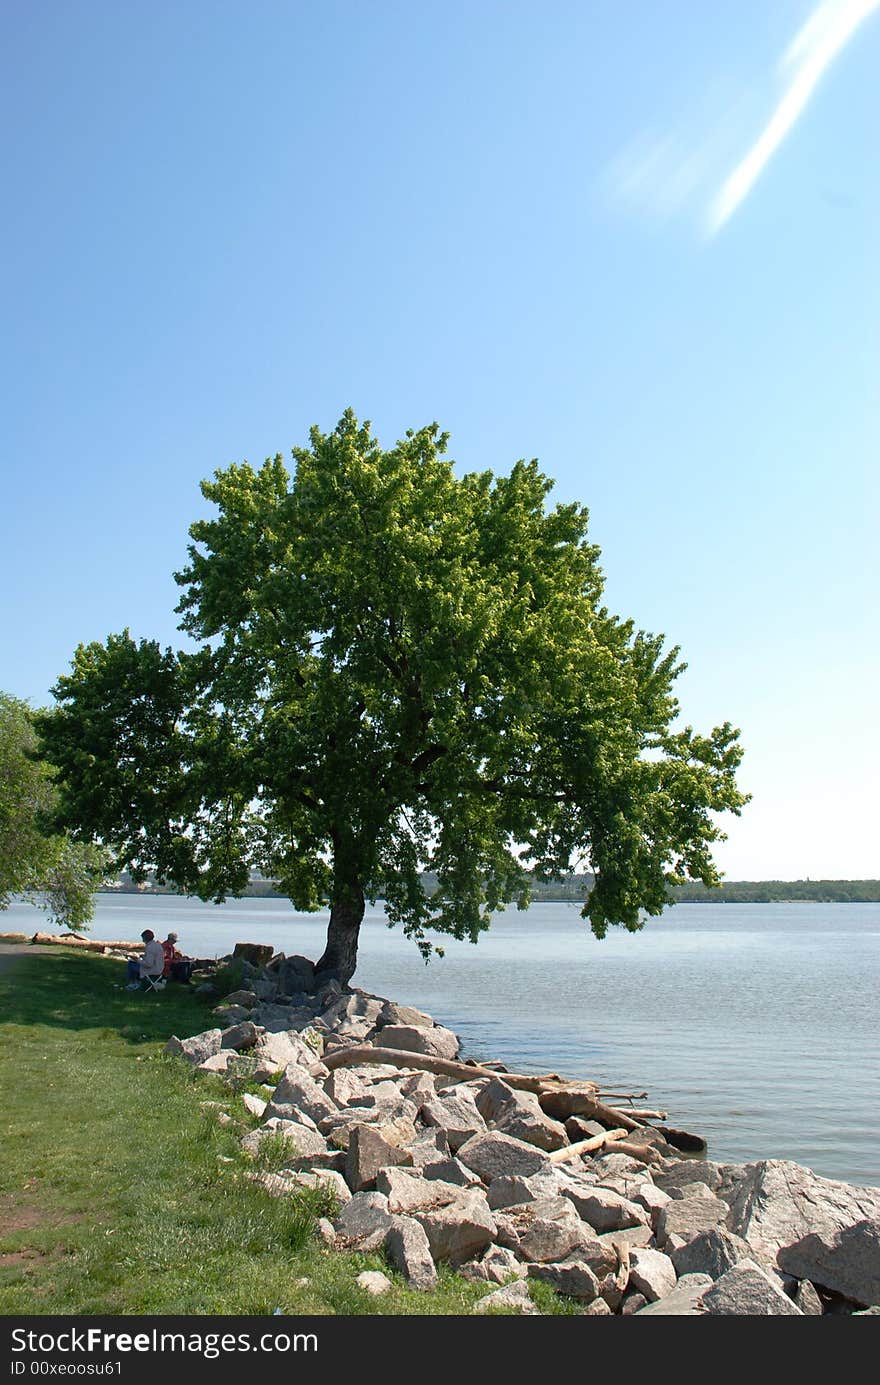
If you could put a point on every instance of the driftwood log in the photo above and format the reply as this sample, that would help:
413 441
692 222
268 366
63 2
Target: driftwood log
423 1062
562 1156
557 1098
84 944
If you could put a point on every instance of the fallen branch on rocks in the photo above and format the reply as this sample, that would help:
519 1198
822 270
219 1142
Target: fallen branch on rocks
442 1067
562 1156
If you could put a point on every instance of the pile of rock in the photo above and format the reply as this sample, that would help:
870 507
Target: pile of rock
436 1161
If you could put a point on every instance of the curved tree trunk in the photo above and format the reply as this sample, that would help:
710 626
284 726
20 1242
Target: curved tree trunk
340 955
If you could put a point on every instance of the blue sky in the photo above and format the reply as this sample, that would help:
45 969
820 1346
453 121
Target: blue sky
635 241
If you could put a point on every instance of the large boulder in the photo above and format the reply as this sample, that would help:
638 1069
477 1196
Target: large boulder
408 1191
848 1261
367 1154
748 1291
684 1218
651 1273
196 1049
435 1042
572 1277
280 1047
494 1154
603 1209
510 1298
298 1088
460 1230
553 1232
712 1252
685 1301
407 1248
403 1014
258 954
295 975
300 1140
456 1115
779 1205
365 1219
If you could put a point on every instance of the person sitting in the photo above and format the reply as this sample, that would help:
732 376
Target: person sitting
151 964
177 967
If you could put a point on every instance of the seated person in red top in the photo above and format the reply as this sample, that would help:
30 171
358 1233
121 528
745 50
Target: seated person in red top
177 967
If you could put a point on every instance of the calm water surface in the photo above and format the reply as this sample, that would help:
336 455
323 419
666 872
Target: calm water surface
753 1025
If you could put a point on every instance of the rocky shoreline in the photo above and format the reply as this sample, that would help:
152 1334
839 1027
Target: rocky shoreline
511 1179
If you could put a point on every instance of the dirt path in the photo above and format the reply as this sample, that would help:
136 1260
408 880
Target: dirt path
9 952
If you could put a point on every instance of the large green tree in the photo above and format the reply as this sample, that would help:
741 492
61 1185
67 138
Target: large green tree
395 669
44 866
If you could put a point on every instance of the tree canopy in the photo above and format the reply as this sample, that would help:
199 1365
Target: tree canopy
396 669
44 866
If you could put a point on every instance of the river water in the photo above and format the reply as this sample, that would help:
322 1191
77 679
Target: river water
752 1025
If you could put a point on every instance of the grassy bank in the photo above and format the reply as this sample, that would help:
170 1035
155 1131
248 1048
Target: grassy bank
120 1194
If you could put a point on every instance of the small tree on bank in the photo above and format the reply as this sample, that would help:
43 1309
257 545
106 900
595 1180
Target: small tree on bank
43 866
398 669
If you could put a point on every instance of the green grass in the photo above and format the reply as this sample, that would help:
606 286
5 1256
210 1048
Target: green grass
120 1194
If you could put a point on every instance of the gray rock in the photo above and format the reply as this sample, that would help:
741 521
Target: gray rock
652 1198
196 1049
298 1088
555 1230
685 1301
282 1047
632 1303
365 1219
456 1115
450 1171
428 1147
286 1111
392 1014
778 1204
418 1087
651 1273
343 1087
407 1248
684 1171
228 1015
367 1154
847 1261
300 1140
386 1094
497 1266
437 1042
533 1127
572 1277
217 1062
510 1190
327 1179
579 1128
687 1217
244 1035
409 1192
254 1105
809 1302
494 1154
459 1231
374 1281
748 1291
712 1252
605 1210
514 1297
247 999
296 974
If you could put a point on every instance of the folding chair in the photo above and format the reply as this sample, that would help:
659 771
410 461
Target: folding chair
154 983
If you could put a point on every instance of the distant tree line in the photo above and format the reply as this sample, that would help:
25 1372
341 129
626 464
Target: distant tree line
573 888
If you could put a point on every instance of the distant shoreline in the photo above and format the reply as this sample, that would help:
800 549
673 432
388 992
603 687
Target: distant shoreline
574 890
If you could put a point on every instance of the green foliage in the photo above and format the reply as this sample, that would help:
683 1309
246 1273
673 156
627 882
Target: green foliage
45 866
398 670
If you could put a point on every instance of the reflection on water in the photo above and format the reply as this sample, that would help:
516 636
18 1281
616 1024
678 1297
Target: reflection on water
753 1025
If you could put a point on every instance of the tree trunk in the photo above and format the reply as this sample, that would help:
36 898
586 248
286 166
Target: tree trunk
340 954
